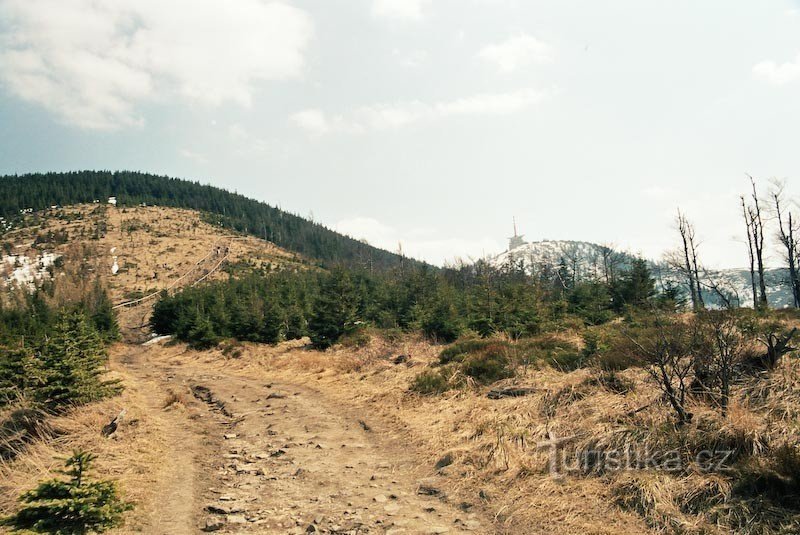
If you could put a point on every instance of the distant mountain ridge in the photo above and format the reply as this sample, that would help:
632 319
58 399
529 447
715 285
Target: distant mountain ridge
590 259
38 191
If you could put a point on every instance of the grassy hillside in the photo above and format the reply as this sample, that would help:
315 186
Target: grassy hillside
154 248
292 232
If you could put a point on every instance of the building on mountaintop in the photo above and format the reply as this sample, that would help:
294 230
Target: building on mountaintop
516 240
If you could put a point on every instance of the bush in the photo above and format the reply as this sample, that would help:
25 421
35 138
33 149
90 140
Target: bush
76 506
232 349
609 349
565 359
430 382
485 360
551 350
463 348
487 367
20 372
357 338
202 334
614 382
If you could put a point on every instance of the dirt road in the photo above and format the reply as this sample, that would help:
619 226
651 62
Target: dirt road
248 455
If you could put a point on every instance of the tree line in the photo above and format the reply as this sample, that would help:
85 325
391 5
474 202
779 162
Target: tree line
40 191
441 303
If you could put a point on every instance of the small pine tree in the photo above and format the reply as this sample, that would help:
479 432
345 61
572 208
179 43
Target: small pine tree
335 310
273 326
102 312
20 371
442 321
672 297
636 287
72 507
201 333
72 360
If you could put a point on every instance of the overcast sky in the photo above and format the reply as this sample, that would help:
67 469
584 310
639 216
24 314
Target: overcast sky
426 122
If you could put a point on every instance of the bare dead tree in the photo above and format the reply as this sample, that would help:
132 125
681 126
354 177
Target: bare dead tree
696 269
757 232
786 236
751 254
689 263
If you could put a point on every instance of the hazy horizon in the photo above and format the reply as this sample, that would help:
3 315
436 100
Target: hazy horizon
426 122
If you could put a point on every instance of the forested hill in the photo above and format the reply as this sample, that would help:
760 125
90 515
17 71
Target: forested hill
292 232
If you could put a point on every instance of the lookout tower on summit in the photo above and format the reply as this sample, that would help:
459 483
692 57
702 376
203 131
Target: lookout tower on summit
516 240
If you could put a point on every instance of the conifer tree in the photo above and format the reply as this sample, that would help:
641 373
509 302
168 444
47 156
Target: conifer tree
336 309
74 507
20 372
72 360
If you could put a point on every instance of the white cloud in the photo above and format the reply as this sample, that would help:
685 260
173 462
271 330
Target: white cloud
778 74
412 59
93 63
390 116
658 192
244 142
516 52
193 156
311 120
419 243
399 9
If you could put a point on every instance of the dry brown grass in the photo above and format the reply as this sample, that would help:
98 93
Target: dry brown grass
494 443
173 398
154 246
497 464
132 456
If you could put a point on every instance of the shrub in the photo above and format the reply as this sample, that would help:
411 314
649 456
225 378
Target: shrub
20 426
551 350
76 506
487 367
591 302
545 349
232 349
20 371
357 338
566 360
463 348
614 382
430 382
609 349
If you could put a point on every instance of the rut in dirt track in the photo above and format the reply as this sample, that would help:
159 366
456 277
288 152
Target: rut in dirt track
280 458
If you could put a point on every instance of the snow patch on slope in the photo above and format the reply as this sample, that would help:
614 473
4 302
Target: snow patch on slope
25 271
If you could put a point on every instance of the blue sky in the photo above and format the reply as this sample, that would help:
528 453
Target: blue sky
426 122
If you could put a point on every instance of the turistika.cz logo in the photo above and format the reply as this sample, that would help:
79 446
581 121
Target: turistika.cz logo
567 460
